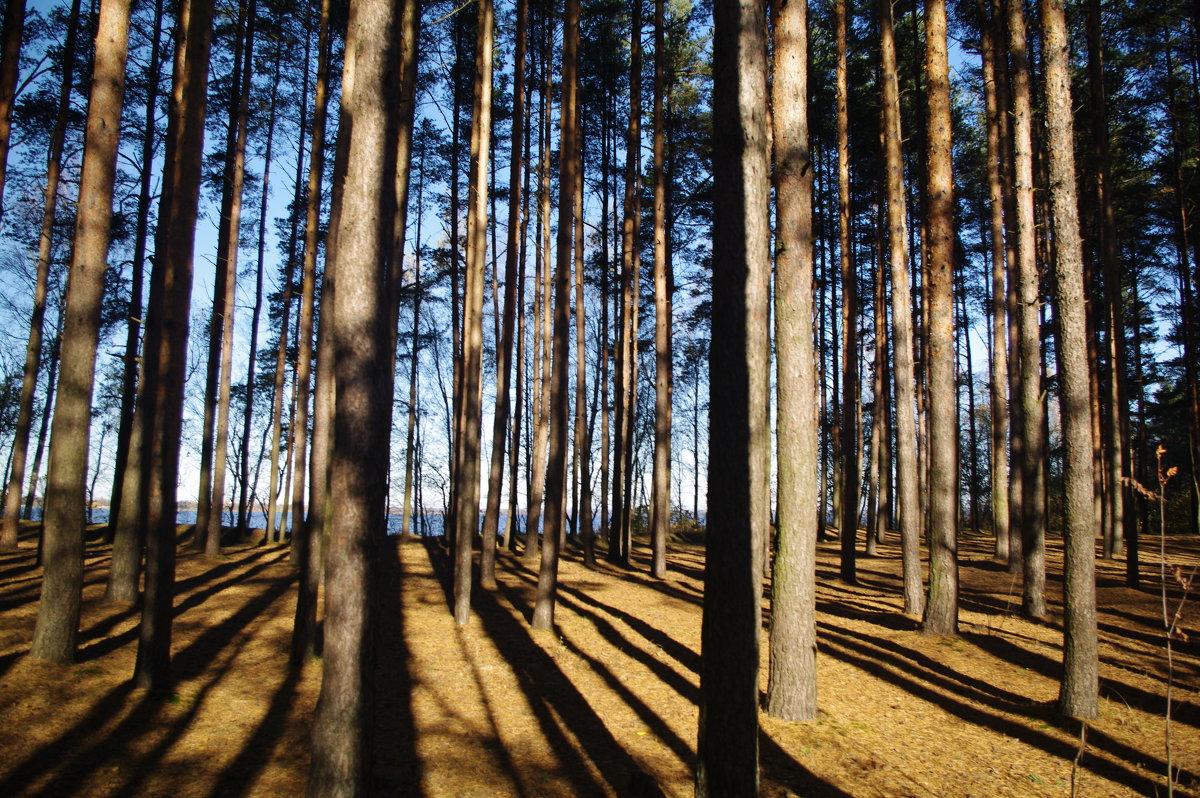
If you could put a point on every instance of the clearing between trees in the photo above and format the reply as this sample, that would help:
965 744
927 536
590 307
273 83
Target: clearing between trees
605 705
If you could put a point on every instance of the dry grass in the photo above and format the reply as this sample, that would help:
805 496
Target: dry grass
606 705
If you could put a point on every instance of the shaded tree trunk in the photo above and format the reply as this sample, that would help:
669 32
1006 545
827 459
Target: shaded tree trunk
739 463
556 458
342 722
167 335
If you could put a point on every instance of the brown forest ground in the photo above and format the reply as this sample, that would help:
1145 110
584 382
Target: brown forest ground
606 705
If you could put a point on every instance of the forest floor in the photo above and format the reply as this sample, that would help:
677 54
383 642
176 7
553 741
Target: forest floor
605 705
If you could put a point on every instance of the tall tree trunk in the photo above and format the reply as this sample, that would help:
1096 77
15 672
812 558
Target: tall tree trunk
909 509
941 609
1033 442
409 459
285 320
630 287
14 29
466 492
1078 693
556 458
246 486
542 332
33 349
663 364
849 429
54 635
504 355
583 435
998 384
362 422
739 464
167 335
792 686
307 549
1117 457
228 240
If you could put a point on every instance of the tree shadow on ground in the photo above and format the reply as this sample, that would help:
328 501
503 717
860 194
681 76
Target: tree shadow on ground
79 753
395 767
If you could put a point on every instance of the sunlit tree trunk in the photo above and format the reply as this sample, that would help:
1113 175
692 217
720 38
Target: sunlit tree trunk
362 421
998 384
849 428
54 634
909 510
1078 693
504 354
941 609
792 686
663 365
466 493
33 349
1032 436
306 548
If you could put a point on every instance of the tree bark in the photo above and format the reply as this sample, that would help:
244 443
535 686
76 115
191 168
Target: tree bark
556 459
1032 436
848 428
33 349
663 363
14 28
792 684
504 355
466 492
909 509
941 609
54 635
342 722
739 464
1079 689
167 335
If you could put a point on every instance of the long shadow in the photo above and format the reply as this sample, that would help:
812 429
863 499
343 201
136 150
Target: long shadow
188 663
920 683
1135 697
782 768
193 600
395 767
238 778
552 697
576 598
665 674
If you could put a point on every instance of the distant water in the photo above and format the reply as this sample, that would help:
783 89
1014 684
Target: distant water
426 524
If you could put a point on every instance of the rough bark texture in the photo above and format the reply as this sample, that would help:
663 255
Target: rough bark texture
58 612
466 492
792 684
999 342
941 609
909 509
1032 416
556 459
739 464
663 366
342 722
848 427
504 355
167 335
307 549
1078 693
14 27
33 349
